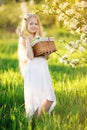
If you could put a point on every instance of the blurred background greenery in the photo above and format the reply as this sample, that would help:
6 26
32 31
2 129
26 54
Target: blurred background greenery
11 12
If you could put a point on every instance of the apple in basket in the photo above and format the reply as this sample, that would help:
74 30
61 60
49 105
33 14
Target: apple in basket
43 45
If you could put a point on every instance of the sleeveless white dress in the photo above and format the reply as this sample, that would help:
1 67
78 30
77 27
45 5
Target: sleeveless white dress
37 86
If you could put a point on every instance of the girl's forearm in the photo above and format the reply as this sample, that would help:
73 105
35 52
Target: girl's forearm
29 51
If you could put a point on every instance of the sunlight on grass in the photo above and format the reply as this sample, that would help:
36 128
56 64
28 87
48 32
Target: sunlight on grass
69 85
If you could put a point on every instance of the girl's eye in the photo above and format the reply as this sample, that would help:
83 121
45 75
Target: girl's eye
31 23
36 24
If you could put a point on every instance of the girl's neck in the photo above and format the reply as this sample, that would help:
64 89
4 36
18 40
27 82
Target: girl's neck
31 36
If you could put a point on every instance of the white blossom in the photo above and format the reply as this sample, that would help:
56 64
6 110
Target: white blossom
77 4
78 30
65 62
70 11
73 23
65 56
45 11
73 17
61 17
83 4
61 6
72 43
66 22
83 36
65 5
74 62
58 11
73 65
61 60
78 41
72 50
43 5
64 59
54 3
78 15
81 48
67 47
76 45
84 29
50 11
84 41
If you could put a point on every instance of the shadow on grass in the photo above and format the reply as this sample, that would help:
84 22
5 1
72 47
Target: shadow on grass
69 104
8 63
70 111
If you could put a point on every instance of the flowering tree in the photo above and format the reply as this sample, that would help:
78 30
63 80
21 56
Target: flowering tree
74 17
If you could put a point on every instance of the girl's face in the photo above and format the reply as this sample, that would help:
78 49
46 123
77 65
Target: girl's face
33 25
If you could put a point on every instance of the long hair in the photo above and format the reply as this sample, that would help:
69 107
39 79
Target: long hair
21 46
25 21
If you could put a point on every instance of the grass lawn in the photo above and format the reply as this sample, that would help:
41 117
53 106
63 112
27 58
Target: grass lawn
70 86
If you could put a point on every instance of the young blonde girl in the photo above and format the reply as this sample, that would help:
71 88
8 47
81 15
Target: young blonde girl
38 92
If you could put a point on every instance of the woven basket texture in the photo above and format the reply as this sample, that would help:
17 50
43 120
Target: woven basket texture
44 47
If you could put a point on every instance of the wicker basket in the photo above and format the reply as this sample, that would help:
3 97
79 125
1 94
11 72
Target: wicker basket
43 46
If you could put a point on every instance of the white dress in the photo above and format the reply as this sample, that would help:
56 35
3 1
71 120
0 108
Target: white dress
37 86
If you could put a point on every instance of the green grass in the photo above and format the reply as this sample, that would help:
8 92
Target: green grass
70 86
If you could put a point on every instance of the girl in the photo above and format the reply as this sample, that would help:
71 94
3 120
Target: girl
38 92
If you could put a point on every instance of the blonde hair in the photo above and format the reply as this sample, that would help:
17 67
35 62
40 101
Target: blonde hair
21 47
25 21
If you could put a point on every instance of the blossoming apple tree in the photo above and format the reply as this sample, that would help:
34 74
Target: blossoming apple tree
74 16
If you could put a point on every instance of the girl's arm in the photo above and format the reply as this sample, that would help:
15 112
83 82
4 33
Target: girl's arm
24 45
24 50
29 50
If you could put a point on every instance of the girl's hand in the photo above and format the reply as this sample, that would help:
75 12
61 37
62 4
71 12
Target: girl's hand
20 34
37 33
46 56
